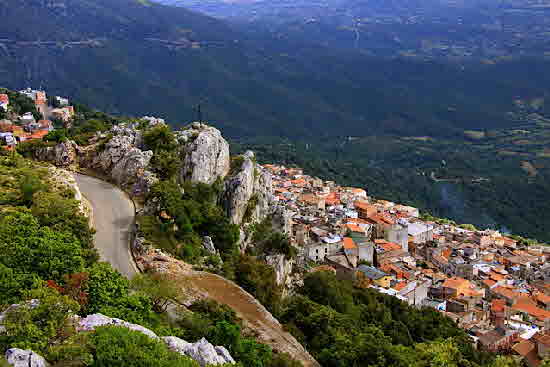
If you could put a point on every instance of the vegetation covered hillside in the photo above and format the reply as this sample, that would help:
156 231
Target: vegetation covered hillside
48 256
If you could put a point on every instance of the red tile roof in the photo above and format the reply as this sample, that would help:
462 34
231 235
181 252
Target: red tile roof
349 244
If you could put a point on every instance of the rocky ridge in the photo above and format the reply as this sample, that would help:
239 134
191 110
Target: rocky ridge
247 197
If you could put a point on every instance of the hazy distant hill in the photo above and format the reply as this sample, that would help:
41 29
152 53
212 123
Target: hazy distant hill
441 29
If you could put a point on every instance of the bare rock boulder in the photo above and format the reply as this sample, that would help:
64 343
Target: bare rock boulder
205 154
24 358
202 351
91 322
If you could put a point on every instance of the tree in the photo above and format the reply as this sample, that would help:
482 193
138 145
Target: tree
259 279
39 323
13 284
162 290
323 287
439 354
502 361
109 293
160 138
57 136
63 214
105 287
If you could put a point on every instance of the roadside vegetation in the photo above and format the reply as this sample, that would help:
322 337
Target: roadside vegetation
48 256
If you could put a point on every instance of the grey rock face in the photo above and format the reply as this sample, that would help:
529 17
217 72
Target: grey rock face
283 268
239 190
131 166
248 194
144 183
24 358
62 155
91 322
202 351
205 154
124 162
208 245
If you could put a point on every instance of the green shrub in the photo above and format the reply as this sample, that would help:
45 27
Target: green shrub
121 347
57 136
37 327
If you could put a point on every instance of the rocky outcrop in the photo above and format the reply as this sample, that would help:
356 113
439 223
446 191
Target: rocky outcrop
208 245
248 194
205 154
24 358
283 269
202 351
91 322
63 154
122 159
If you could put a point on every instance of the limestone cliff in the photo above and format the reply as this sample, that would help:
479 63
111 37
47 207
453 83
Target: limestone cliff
248 194
204 154
121 158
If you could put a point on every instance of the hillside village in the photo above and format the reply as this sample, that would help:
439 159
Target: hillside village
496 289
16 128
493 286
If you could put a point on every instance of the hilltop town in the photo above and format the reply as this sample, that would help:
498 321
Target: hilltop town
492 285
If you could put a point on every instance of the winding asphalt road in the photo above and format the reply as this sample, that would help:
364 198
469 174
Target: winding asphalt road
113 217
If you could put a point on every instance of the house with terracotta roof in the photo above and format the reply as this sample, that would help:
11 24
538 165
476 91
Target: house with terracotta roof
463 287
350 248
527 307
543 300
376 276
365 209
4 101
527 350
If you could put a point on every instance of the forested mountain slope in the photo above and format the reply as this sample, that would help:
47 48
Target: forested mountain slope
135 56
